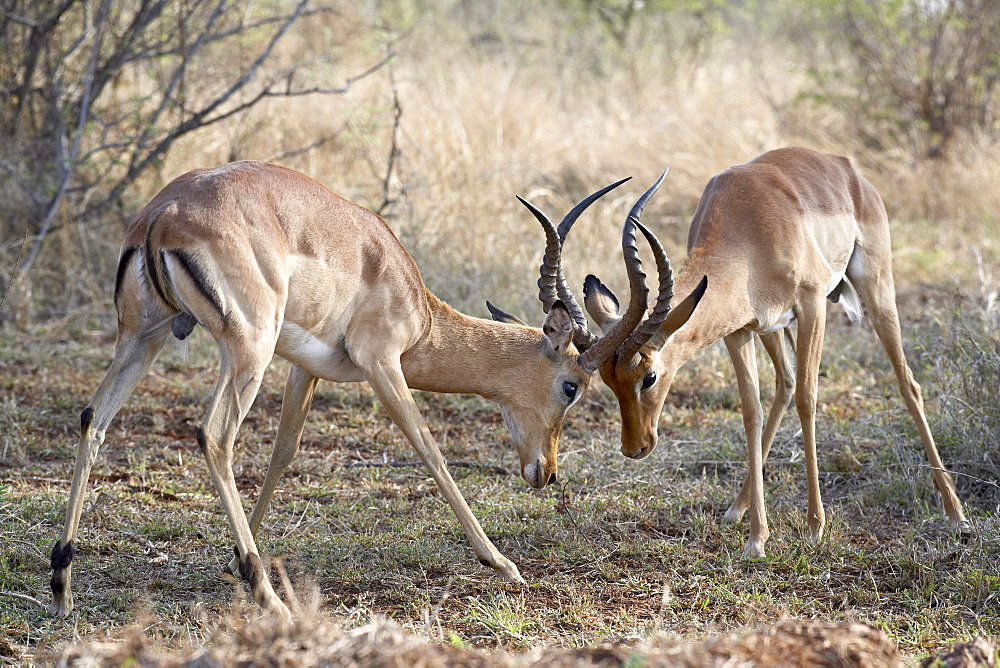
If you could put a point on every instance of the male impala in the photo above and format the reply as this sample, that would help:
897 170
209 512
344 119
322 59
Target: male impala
269 261
771 240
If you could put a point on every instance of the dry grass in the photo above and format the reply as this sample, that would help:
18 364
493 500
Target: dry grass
513 102
315 641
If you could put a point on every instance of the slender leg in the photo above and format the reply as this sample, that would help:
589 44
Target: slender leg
134 353
784 380
741 350
879 296
242 367
809 348
386 379
300 388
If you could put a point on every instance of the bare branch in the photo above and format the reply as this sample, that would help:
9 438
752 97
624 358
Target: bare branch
322 141
68 161
19 19
397 113
201 120
13 272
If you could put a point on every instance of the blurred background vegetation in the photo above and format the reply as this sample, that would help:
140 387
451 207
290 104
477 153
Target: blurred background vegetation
436 113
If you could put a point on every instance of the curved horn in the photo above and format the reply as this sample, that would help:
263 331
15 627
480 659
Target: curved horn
624 329
652 323
640 203
548 279
574 213
552 283
605 347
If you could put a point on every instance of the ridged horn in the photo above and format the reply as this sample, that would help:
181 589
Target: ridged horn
552 283
623 330
606 346
652 323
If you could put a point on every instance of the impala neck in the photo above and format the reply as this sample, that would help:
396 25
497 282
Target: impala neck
461 354
724 309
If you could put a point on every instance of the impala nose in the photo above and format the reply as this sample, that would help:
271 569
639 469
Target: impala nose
637 443
535 475
644 448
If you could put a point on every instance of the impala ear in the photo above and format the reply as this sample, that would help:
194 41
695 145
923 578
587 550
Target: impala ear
558 327
601 303
679 315
503 316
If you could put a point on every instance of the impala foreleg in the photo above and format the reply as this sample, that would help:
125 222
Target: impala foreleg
784 381
134 354
386 379
741 350
300 388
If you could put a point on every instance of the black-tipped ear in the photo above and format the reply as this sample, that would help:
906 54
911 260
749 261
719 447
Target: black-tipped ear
503 316
592 285
601 303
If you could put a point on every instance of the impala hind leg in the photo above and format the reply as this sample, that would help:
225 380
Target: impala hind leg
134 353
300 388
386 379
809 351
879 296
741 350
784 381
242 367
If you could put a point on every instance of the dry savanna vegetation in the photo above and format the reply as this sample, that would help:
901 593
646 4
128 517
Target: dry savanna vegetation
435 114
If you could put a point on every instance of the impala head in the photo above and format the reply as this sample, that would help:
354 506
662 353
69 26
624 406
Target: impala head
570 353
636 371
542 393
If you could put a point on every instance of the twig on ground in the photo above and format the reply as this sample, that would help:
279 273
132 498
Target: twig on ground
491 468
24 597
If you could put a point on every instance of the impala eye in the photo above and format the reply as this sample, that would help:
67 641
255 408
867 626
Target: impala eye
648 381
570 389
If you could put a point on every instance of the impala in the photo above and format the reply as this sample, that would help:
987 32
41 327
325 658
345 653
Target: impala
772 240
271 262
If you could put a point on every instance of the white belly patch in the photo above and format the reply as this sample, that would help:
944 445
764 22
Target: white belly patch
318 357
776 324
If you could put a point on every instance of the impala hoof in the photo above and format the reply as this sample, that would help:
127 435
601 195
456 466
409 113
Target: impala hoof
504 567
280 611
753 550
60 610
964 531
733 515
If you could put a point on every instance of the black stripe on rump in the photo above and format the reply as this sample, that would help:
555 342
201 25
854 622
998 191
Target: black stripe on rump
151 269
122 268
196 271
